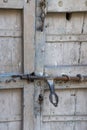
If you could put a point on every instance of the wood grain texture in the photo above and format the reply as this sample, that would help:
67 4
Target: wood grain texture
28 109
11 109
65 53
66 5
11 4
29 30
10 41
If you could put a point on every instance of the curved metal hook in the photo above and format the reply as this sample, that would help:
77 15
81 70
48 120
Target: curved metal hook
53 96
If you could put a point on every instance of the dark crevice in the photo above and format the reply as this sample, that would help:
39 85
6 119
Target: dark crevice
79 52
68 16
83 24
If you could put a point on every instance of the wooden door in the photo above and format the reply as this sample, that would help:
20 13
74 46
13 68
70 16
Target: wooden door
61 48
16 56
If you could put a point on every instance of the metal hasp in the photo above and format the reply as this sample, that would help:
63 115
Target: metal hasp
53 96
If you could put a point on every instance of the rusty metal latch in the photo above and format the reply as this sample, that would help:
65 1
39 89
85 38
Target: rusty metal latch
48 79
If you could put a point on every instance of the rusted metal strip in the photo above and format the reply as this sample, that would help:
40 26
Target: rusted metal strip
32 77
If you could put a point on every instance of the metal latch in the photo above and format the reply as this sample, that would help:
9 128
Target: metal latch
53 96
48 79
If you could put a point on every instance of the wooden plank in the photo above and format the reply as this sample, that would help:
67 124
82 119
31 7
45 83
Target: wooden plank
10 20
66 104
67 69
81 102
45 126
81 125
10 99
82 53
69 125
28 109
57 24
11 125
64 118
56 54
68 85
66 38
40 52
12 84
62 125
10 33
29 29
11 4
66 6
13 61
72 105
37 107
10 41
10 119
65 56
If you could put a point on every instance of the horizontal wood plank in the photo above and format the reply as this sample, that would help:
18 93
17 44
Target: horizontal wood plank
11 118
66 69
72 102
11 4
10 33
66 5
66 38
12 84
64 118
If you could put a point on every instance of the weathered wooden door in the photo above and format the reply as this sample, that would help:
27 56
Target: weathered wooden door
16 56
61 48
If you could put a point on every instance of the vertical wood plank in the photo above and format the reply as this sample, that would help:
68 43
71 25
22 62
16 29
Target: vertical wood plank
29 29
28 113
40 46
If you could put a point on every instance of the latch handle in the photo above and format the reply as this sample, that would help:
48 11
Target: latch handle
53 96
